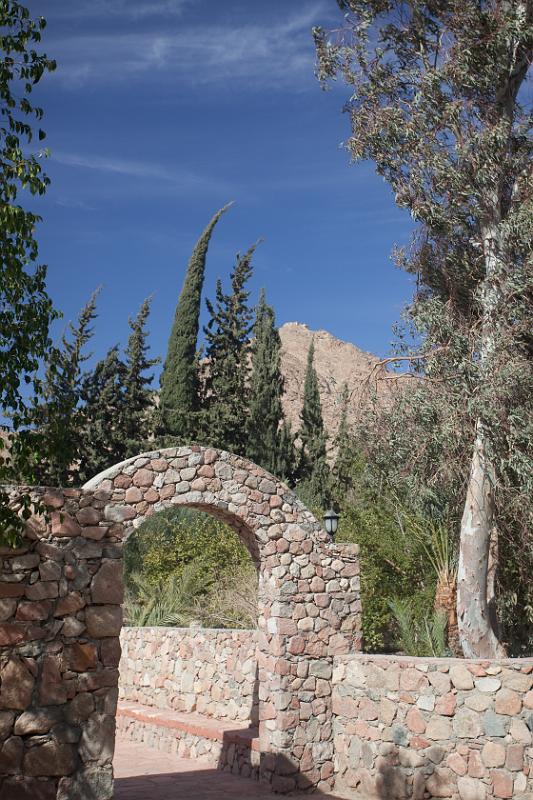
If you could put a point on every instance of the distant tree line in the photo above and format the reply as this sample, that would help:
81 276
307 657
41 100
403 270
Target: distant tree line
226 393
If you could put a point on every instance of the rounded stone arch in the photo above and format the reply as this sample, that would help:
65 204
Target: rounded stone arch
309 608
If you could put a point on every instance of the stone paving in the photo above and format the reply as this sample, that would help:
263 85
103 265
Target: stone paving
145 774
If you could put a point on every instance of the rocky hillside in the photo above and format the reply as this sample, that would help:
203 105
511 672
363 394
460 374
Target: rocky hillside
336 363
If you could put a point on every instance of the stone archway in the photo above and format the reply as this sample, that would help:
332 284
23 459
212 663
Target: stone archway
309 607
61 617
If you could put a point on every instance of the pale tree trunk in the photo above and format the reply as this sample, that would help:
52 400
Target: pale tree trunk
478 525
476 633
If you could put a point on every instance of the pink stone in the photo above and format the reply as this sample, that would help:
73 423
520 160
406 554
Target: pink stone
12 634
69 604
34 611
412 680
457 763
528 700
122 481
159 464
493 754
446 705
515 757
82 657
133 495
143 477
475 765
53 499
64 525
415 721
210 456
502 783
206 471
95 532
88 516
368 710
103 621
508 703
16 685
106 586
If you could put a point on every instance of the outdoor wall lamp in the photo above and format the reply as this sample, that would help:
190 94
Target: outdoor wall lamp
331 522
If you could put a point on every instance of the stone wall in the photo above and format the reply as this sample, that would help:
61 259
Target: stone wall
418 728
61 619
60 616
210 672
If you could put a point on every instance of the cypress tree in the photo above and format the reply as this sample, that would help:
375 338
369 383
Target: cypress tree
285 456
137 424
226 375
58 417
266 388
344 444
313 471
178 400
102 436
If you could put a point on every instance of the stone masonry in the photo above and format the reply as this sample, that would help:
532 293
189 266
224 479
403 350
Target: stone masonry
433 728
61 616
194 670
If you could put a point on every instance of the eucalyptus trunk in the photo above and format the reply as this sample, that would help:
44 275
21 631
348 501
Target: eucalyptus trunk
478 525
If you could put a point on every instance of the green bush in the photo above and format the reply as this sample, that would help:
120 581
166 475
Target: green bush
183 565
394 566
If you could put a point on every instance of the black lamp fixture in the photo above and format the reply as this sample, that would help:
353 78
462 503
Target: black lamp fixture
331 522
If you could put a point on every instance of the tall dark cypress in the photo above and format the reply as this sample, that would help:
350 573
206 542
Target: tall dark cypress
266 388
138 396
227 361
313 470
178 400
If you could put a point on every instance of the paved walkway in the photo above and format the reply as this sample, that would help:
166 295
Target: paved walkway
145 774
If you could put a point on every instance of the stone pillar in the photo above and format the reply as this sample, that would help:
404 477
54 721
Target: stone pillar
60 615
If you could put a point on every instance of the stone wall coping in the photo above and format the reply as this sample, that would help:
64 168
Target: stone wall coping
191 631
384 657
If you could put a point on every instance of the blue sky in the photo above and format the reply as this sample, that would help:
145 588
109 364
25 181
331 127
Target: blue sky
160 111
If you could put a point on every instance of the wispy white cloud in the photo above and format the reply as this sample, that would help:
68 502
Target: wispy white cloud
177 178
124 9
255 55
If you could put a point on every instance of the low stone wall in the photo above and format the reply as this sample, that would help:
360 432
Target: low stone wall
206 671
419 728
235 751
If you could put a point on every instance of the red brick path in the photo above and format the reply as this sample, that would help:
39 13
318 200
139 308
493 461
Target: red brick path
145 774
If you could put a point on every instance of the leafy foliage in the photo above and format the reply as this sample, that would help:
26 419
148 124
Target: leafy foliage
420 637
57 418
26 310
226 384
102 440
313 471
437 101
138 418
268 441
165 543
185 565
394 564
171 601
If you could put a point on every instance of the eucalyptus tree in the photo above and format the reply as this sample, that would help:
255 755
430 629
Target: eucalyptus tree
438 102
